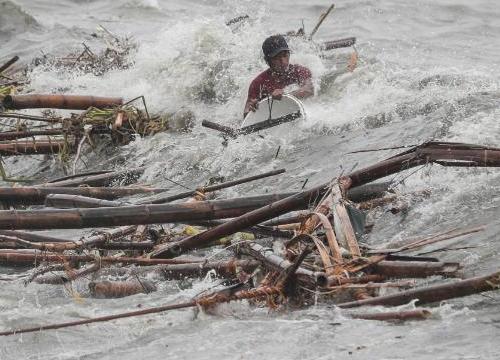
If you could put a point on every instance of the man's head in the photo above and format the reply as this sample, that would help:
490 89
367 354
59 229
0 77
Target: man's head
276 52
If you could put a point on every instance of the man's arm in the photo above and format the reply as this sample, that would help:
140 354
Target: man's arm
306 90
252 98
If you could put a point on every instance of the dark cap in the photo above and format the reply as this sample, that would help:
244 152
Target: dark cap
273 45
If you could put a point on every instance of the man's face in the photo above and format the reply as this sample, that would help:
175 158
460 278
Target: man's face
279 63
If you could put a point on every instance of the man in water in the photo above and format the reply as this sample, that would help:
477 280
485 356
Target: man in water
279 75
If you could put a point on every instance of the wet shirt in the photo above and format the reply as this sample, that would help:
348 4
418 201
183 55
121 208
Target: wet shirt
266 82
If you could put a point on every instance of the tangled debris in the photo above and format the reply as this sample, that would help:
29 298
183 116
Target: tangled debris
314 254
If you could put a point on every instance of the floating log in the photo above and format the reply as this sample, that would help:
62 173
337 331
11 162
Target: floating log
223 269
33 147
336 44
30 195
434 293
119 289
125 176
417 314
134 215
8 64
71 102
415 269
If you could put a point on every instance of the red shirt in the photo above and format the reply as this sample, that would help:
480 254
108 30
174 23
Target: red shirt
266 82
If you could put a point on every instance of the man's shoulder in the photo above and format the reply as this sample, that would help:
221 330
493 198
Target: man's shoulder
263 76
300 70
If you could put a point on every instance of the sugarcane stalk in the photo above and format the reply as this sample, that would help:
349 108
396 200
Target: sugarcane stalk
72 102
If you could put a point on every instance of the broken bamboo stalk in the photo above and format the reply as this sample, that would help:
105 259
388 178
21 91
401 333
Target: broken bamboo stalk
277 263
135 215
71 102
474 155
125 176
435 293
64 201
212 188
8 64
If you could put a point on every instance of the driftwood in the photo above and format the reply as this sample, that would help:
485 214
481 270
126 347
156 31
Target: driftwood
72 102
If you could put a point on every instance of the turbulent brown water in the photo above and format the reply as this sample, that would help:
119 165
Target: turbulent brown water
428 70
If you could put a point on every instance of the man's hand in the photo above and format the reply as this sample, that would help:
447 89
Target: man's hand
251 105
277 94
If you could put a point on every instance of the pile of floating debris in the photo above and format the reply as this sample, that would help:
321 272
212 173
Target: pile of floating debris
279 249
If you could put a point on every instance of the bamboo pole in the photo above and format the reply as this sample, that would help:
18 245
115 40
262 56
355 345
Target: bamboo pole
13 135
31 195
72 102
134 215
33 147
473 155
36 257
434 293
